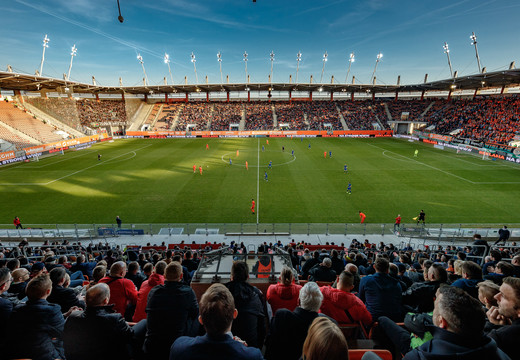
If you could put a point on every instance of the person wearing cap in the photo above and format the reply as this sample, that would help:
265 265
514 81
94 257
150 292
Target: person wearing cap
38 269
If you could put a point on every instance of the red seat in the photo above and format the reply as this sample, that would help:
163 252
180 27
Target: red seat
357 354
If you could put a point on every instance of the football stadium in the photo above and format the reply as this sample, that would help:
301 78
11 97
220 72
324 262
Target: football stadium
220 181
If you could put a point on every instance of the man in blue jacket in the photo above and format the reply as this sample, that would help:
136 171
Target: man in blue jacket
471 276
458 330
217 312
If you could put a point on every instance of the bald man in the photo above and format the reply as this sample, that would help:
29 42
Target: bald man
122 291
82 329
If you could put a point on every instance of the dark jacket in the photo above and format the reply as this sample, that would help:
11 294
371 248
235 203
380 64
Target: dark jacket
98 333
172 311
6 308
65 298
382 296
36 331
215 348
287 333
136 278
250 322
468 285
322 273
190 265
309 264
420 296
18 289
448 345
86 268
337 265
506 337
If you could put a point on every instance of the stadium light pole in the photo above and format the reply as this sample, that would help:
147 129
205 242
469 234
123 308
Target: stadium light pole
473 38
271 56
325 56
298 59
193 60
219 58
45 46
447 52
351 59
378 59
245 62
140 59
167 62
72 54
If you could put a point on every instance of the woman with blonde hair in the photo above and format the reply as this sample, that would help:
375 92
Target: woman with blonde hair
284 295
324 341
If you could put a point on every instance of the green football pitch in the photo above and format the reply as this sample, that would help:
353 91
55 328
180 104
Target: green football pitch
152 181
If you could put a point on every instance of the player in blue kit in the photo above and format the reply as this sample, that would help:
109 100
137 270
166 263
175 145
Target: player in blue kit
265 176
349 189
345 170
270 166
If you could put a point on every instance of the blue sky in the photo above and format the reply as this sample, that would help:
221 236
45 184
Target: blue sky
410 34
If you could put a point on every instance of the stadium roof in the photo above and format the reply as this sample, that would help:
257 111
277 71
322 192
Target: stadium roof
33 83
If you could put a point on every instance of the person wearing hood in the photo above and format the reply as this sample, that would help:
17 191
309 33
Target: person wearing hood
157 278
284 295
250 323
458 330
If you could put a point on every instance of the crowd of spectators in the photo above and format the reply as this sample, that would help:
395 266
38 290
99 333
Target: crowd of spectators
194 113
95 113
358 115
259 116
225 114
414 108
320 113
138 303
291 114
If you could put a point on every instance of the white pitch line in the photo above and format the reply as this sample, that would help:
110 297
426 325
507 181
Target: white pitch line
258 181
74 173
445 172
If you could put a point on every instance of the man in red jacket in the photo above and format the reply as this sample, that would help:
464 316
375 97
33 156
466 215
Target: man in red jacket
122 291
157 278
343 306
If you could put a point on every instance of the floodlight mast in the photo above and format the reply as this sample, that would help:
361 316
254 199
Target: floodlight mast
245 62
72 54
45 46
351 59
193 60
325 56
167 62
298 59
447 52
378 59
473 38
219 58
271 56
140 59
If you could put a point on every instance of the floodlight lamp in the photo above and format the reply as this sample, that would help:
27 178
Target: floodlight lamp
325 56
352 58
270 89
198 90
446 48
193 58
299 56
379 56
271 56
46 41
73 50
247 89
166 58
320 89
473 38
453 86
139 58
219 56
245 56
66 89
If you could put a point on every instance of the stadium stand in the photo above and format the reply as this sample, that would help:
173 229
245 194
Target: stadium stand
27 124
290 116
259 116
62 109
166 117
95 113
358 114
414 108
197 114
321 114
225 114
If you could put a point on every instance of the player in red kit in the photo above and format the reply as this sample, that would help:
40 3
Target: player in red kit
247 166
194 168
397 224
362 216
325 154
200 169
253 206
207 146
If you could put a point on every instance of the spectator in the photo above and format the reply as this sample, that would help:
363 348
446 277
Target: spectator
324 341
190 264
503 269
6 306
83 266
343 306
157 278
516 263
323 272
284 295
98 273
459 324
262 268
471 276
337 263
486 293
494 257
250 322
381 293
20 279
309 264
172 311
36 327
135 275
419 297
217 312
83 339
62 295
122 291
288 329
351 268
503 235
504 319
